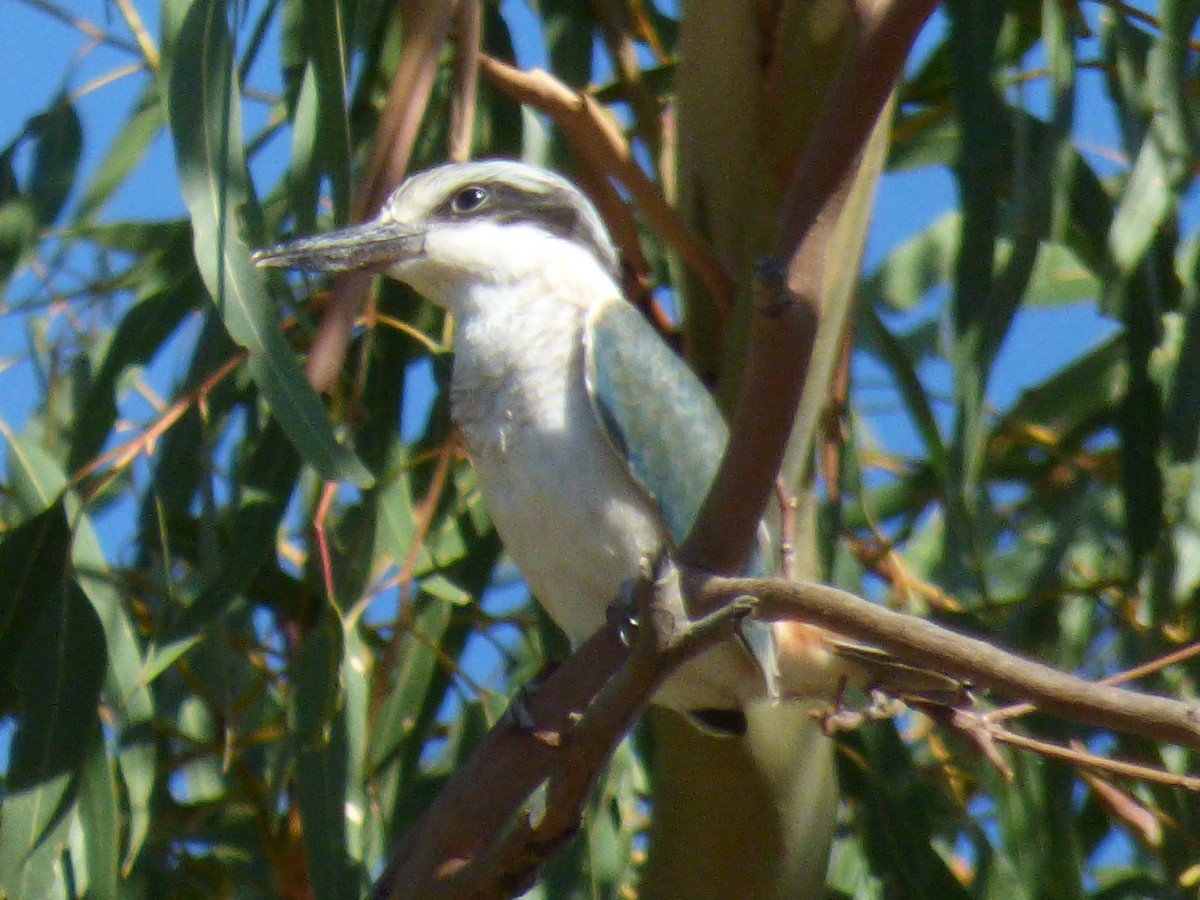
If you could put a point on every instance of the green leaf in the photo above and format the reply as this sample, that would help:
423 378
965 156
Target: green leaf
128 149
903 369
326 32
205 117
38 481
37 478
33 557
322 763
136 339
916 266
100 821
926 261
267 479
162 658
18 233
58 672
397 517
411 680
33 837
59 138
1164 160
1148 197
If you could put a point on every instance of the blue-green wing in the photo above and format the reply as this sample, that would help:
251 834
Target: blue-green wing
666 425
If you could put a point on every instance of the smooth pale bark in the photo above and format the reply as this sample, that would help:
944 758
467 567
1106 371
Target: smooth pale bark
754 817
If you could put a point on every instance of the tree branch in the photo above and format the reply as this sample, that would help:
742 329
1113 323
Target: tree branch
920 642
790 287
599 144
555 737
425 28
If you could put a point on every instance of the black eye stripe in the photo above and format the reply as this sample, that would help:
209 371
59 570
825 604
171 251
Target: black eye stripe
553 211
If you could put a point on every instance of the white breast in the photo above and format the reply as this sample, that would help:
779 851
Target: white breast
564 503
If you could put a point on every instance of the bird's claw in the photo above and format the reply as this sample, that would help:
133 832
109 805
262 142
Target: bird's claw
623 612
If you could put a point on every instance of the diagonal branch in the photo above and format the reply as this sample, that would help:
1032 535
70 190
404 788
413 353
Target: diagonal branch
791 287
557 737
600 145
425 31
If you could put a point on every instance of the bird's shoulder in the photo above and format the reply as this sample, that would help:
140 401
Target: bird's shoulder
653 408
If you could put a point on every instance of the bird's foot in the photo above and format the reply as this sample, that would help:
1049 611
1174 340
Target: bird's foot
624 613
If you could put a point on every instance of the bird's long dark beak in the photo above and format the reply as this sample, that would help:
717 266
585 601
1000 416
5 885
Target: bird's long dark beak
377 244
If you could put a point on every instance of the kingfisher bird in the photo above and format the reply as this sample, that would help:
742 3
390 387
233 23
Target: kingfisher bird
594 443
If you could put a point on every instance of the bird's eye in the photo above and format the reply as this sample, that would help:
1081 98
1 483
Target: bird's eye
468 199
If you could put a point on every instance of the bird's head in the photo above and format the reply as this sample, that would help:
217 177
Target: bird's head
487 222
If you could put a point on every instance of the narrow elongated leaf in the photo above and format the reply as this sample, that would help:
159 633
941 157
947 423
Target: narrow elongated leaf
100 819
205 117
56 157
322 763
326 31
33 837
58 672
134 342
18 229
33 557
39 481
127 150
267 481
410 681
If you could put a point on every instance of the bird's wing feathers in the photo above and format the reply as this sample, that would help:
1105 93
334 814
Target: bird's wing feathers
666 426
654 410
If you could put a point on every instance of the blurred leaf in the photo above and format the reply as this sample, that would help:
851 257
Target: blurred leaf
18 229
59 143
1087 386
58 672
33 838
135 340
205 118
926 261
100 820
896 812
161 658
33 557
127 151
325 31
38 481
267 479
410 681
903 369
322 763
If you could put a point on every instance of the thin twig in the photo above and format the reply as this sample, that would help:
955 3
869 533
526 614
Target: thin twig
466 79
82 25
610 14
1075 756
122 456
425 28
140 34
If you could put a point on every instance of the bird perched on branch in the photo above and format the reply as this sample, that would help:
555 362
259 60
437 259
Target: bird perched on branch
595 445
